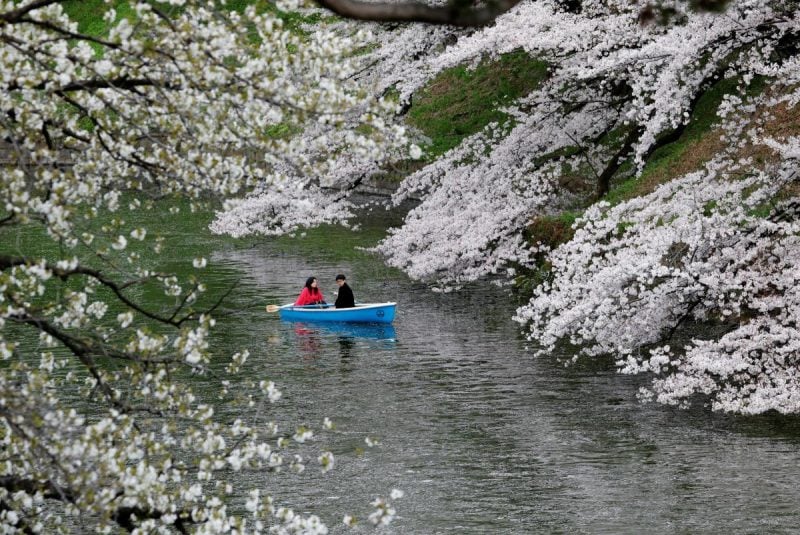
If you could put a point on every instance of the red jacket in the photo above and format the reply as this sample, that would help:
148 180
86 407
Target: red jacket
307 298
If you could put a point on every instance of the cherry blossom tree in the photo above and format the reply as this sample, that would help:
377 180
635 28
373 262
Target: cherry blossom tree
450 13
616 91
175 100
697 250
715 247
694 282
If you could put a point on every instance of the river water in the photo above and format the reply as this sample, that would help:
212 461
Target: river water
480 435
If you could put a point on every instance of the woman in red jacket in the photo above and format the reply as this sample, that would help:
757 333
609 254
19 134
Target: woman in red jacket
310 294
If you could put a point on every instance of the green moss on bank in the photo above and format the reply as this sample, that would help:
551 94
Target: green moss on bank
462 101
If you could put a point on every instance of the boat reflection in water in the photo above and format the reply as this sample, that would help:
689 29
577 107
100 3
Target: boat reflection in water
370 331
311 338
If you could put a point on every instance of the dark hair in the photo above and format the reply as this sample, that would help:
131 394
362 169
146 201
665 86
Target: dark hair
340 277
308 285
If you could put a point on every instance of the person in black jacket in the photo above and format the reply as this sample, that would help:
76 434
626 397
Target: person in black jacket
345 298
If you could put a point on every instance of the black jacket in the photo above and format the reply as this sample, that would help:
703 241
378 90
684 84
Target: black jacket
345 298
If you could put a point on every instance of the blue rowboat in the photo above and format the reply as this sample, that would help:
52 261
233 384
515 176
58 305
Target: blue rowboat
361 313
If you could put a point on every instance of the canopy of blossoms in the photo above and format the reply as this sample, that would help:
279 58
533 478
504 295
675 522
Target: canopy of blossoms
174 100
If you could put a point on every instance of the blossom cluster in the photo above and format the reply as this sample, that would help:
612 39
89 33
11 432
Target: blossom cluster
695 283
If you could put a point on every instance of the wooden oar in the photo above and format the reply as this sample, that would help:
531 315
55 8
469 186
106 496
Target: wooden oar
275 308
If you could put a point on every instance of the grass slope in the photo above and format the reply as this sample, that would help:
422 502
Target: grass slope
461 101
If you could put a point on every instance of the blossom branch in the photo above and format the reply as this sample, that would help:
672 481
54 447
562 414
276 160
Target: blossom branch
15 14
7 262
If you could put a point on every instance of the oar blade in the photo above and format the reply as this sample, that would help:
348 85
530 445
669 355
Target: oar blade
272 308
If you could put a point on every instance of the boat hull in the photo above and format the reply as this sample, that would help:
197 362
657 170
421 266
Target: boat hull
361 313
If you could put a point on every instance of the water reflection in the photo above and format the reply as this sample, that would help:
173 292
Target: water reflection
346 346
371 331
308 341
313 339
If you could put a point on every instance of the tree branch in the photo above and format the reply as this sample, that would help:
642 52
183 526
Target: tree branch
30 486
126 517
20 525
72 35
115 83
16 14
604 180
454 13
9 261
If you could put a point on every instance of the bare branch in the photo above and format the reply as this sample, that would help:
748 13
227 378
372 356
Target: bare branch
71 35
116 83
454 14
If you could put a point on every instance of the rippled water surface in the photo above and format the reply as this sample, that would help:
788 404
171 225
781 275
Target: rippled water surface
480 435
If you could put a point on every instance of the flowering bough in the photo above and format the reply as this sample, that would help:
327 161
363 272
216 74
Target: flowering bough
176 99
616 92
698 249
715 246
